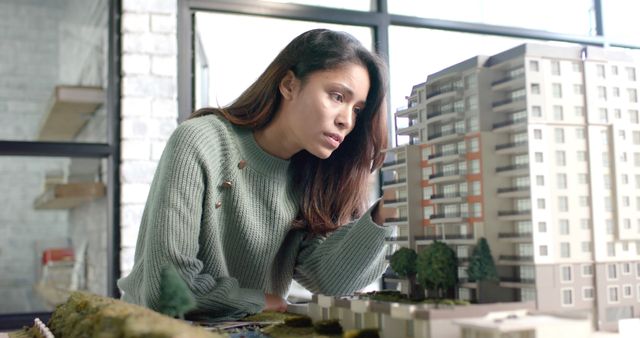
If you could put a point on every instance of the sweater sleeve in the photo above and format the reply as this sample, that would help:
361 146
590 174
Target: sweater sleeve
349 259
172 221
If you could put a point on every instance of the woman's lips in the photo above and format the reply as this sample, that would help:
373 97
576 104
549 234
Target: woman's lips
334 139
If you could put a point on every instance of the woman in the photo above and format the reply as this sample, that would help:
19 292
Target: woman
273 187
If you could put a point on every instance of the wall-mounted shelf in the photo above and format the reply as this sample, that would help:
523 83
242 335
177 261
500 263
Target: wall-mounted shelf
70 107
69 195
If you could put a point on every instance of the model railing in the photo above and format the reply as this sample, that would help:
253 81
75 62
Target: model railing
396 238
443 112
512 167
388 164
444 153
507 79
443 90
512 189
514 212
508 123
449 215
402 180
511 145
516 258
441 134
395 219
518 280
397 200
514 235
507 101
448 195
447 173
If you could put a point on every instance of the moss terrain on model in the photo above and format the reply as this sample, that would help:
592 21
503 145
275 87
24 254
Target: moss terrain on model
86 315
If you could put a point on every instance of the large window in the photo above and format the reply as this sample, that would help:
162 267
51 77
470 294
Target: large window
228 63
58 151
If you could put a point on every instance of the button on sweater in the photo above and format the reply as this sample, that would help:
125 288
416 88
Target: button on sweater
220 209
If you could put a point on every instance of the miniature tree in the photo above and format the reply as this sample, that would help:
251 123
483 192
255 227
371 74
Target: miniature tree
481 264
175 297
403 262
437 267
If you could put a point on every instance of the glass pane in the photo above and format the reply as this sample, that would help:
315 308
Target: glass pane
356 5
616 16
53 230
569 16
226 64
54 70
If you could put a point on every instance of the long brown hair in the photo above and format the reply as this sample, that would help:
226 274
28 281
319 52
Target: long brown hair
332 191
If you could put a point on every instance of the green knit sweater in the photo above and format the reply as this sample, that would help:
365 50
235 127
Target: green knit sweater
220 210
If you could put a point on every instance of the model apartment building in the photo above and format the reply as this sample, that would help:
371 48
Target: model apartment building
537 149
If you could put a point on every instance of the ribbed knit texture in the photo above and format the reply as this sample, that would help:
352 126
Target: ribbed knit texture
231 255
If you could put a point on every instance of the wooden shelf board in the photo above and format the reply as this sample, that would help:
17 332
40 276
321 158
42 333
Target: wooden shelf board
69 195
70 107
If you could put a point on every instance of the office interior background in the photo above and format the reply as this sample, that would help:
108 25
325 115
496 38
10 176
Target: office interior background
91 90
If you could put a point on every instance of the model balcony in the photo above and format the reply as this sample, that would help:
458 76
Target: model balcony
443 93
448 218
395 220
395 202
512 148
514 215
509 82
407 111
394 183
447 176
516 282
514 192
513 170
515 259
412 129
459 237
445 156
439 137
428 238
509 126
444 115
446 198
450 238
509 104
516 237
396 163
395 239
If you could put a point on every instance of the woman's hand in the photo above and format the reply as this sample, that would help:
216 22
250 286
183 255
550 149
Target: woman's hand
274 303
380 213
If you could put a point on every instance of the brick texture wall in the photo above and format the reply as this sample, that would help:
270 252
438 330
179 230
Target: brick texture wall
149 106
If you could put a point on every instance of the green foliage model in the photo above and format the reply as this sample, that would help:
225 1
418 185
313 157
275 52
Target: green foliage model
437 267
481 264
403 262
175 297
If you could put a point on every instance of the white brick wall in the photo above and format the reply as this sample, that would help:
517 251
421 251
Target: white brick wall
149 106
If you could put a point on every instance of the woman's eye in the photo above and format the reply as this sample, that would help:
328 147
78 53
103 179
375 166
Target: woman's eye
357 110
337 96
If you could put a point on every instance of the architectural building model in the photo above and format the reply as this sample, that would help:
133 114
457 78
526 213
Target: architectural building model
537 149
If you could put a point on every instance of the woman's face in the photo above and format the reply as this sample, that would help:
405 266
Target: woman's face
322 111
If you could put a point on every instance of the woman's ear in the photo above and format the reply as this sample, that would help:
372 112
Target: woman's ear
288 85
